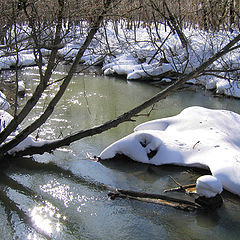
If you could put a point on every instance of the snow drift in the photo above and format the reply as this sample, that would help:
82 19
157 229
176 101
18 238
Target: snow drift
197 137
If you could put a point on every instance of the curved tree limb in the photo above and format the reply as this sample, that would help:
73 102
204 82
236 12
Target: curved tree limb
48 147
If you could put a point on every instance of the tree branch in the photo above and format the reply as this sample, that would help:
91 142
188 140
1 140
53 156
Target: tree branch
43 79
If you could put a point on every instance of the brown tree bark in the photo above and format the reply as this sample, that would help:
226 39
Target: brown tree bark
156 198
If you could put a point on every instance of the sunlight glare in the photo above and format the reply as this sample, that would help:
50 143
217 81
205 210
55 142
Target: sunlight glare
47 218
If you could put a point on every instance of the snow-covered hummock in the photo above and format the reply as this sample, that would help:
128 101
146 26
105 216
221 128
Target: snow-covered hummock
197 137
4 105
5 119
127 64
208 186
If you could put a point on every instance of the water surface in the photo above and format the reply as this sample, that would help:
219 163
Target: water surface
70 202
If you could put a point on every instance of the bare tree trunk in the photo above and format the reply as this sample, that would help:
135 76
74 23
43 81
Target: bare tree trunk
48 147
171 21
231 14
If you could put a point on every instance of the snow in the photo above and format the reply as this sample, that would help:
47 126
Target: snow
208 186
21 86
25 59
5 119
4 105
197 137
129 53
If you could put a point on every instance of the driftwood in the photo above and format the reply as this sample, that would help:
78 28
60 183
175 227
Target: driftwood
201 203
156 198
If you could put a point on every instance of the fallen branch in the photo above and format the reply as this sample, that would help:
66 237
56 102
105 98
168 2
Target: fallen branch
156 198
190 188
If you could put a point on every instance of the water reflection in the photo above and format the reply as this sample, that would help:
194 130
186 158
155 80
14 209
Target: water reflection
208 219
46 219
59 191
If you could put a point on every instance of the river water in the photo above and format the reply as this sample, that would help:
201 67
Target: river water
60 195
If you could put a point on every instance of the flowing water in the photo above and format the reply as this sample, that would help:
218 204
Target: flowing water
61 195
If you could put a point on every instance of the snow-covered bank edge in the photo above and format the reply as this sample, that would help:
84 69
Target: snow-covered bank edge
133 54
197 137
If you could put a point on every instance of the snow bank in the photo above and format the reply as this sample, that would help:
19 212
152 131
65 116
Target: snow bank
25 59
197 137
133 60
5 119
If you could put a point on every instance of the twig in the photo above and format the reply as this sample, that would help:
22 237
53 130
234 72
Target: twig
180 185
195 144
181 188
146 114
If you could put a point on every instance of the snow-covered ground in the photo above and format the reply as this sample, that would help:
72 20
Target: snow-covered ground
197 137
129 53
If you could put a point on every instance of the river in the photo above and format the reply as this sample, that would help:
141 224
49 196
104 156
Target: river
59 195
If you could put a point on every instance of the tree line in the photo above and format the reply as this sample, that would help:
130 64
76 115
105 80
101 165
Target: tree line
206 14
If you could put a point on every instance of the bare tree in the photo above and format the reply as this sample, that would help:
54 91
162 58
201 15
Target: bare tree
46 75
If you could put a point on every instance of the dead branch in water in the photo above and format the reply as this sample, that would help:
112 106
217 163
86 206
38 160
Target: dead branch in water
156 198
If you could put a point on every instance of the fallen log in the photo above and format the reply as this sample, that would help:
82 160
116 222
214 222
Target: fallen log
156 198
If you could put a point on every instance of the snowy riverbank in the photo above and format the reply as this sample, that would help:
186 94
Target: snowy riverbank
149 55
197 137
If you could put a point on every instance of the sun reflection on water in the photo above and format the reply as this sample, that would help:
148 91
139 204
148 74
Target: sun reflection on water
46 218
59 191
63 192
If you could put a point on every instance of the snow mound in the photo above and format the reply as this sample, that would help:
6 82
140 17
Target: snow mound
25 59
196 137
208 186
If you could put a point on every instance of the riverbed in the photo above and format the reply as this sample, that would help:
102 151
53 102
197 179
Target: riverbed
62 195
